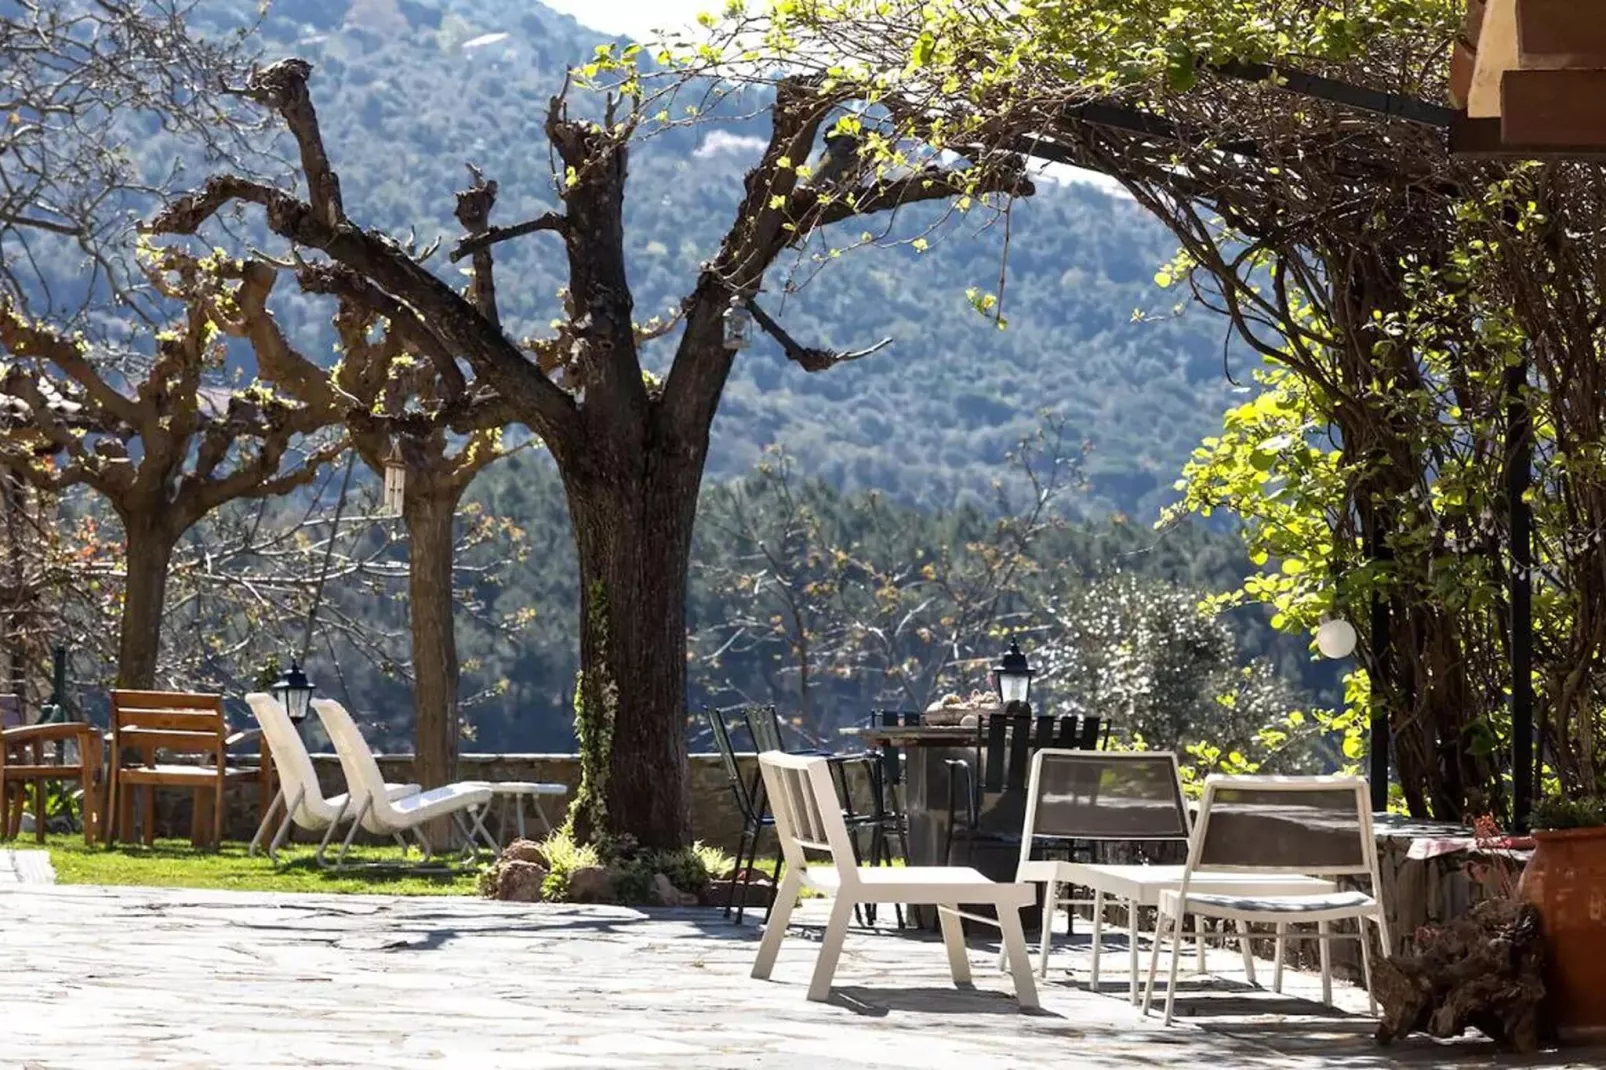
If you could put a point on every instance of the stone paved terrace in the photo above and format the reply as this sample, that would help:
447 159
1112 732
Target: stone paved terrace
147 979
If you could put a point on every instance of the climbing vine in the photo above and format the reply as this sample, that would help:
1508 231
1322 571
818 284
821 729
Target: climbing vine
596 702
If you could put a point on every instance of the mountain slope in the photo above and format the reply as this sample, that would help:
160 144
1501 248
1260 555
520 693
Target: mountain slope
411 90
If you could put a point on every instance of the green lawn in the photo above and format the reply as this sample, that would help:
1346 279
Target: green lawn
175 864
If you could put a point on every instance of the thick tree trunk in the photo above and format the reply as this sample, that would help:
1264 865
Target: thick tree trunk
149 553
633 532
436 728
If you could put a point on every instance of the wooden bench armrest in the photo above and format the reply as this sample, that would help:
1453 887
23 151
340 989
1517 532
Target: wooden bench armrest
45 733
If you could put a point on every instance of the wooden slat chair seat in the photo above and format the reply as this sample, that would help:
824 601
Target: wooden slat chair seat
42 753
160 726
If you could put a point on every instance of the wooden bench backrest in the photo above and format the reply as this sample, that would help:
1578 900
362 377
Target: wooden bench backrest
169 720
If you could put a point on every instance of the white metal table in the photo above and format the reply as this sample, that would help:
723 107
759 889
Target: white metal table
1140 886
512 793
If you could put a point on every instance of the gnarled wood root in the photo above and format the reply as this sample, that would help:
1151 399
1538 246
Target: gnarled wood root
1486 971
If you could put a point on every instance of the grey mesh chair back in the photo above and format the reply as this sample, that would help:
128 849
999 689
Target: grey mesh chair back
10 711
1105 795
1315 825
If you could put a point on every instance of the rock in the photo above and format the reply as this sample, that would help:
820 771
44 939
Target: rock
525 851
1485 971
519 881
756 893
664 890
593 884
690 899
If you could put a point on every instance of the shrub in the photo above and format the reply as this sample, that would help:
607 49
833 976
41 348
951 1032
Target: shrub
1559 812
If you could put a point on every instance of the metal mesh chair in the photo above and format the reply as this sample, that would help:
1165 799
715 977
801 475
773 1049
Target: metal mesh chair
748 805
1105 795
1100 797
1278 825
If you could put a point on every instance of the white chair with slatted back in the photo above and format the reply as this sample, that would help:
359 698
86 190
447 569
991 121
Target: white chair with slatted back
1270 825
808 817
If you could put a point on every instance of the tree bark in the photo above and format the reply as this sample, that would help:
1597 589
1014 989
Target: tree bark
632 519
436 726
149 553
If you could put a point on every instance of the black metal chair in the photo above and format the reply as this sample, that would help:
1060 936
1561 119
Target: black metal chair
748 804
889 782
1004 746
765 728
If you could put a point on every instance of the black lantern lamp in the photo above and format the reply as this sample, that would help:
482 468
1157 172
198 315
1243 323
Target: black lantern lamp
1013 677
294 692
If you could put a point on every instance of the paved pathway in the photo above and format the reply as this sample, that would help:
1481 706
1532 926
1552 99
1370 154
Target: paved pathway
158 978
25 867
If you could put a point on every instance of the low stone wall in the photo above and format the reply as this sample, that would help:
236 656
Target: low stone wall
715 818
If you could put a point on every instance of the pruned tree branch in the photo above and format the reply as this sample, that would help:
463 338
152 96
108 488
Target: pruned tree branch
490 236
810 359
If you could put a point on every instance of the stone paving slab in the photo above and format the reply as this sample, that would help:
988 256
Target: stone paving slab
152 979
25 867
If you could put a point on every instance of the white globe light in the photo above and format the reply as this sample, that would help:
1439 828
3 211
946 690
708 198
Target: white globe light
1336 639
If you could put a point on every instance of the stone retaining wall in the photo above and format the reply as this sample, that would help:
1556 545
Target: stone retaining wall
715 818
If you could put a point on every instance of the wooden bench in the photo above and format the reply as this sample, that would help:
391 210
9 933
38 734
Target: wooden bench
35 754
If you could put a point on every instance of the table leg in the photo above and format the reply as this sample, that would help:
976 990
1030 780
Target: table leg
1098 936
1132 946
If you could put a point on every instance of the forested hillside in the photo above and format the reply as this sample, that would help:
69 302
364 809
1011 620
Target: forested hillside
891 461
411 90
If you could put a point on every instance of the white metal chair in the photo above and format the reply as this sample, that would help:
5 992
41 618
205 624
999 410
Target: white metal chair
384 816
1127 797
808 817
299 792
1277 825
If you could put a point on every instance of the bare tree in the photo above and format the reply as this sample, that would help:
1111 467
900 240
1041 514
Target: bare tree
159 441
630 450
396 386
78 81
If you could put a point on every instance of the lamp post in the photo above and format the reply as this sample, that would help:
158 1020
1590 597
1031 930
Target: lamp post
1012 676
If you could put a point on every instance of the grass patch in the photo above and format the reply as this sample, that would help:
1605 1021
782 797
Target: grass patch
176 864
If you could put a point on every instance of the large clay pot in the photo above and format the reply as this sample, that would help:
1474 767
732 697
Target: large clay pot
1566 880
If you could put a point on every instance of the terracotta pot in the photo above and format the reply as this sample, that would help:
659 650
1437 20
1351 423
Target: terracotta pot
1566 880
